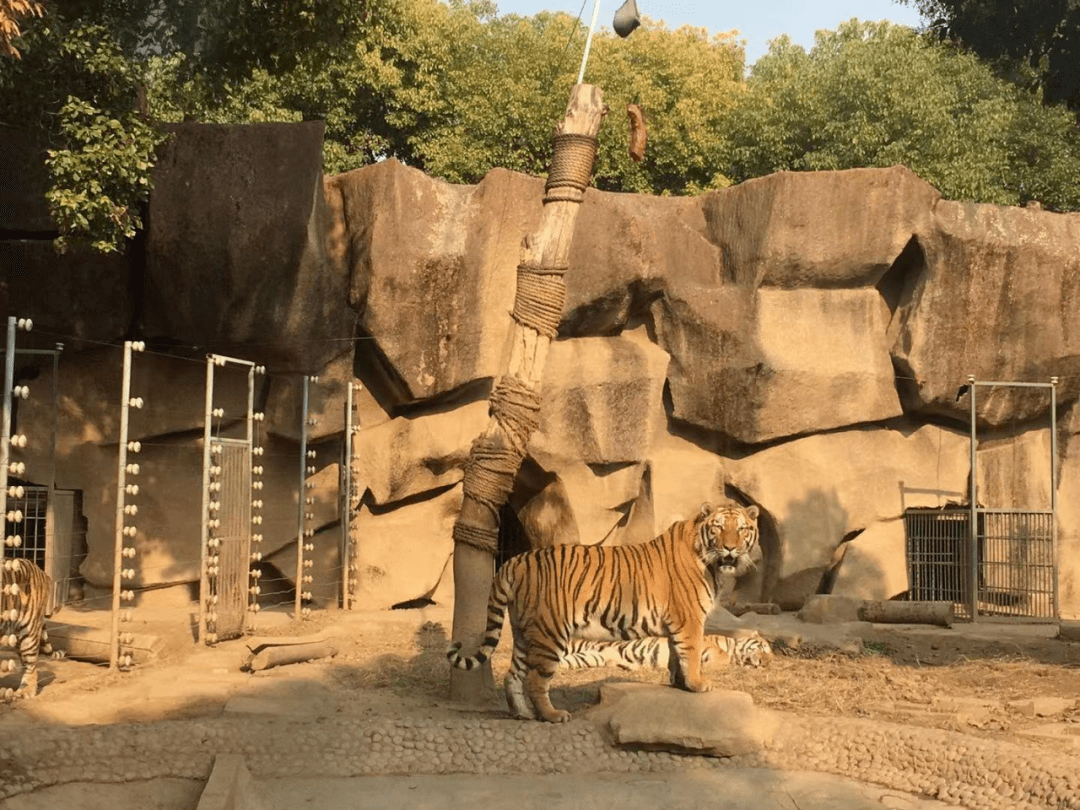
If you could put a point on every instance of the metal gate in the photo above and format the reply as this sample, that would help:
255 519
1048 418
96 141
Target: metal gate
226 512
988 561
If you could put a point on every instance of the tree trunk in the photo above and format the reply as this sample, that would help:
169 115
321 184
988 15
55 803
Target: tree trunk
543 255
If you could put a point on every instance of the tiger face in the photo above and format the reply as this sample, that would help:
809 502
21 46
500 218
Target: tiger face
729 535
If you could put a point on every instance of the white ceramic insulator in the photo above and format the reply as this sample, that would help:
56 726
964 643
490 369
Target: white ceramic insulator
215 470
257 520
258 451
136 402
258 417
16 492
218 412
257 556
18 441
25 324
128 552
307 580
134 447
130 531
309 546
256 538
15 516
257 485
131 509
131 489
17 468
132 469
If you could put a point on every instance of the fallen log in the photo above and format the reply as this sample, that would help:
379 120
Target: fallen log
939 613
276 656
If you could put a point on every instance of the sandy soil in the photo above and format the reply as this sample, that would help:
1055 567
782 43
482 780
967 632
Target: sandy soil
391 664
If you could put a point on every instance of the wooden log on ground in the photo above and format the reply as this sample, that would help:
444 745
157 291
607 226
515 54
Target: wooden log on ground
277 656
939 613
93 644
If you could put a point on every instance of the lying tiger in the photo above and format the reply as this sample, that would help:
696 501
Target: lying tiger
655 653
24 598
660 588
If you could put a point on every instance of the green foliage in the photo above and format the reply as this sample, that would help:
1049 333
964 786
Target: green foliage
1036 42
877 94
454 90
489 92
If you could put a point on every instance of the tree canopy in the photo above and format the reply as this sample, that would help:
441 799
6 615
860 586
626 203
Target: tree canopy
454 89
876 94
1034 41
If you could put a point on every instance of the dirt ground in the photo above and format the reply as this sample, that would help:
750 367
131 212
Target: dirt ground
971 678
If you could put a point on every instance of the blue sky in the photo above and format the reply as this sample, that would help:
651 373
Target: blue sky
758 21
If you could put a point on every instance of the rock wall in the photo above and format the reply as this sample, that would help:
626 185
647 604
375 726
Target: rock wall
801 341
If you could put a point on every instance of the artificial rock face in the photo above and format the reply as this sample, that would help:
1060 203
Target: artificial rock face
796 341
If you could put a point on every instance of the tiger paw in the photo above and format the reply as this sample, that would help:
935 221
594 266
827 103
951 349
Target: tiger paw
557 716
700 685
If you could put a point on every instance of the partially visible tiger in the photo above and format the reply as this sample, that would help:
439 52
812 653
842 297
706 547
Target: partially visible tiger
659 588
719 651
24 598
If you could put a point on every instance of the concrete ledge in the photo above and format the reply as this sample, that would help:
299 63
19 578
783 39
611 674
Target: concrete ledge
229 786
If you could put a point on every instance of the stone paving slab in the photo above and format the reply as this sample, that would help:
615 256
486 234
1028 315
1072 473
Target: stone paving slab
733 789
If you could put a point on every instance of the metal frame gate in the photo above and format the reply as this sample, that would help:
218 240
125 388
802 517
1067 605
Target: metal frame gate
227 514
989 561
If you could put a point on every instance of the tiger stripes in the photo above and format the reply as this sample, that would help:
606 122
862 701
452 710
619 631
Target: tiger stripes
654 653
661 588
24 598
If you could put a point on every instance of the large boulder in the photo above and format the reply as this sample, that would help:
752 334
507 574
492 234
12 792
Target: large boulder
761 365
327 395
627 249
431 268
409 456
80 296
1015 473
817 229
236 247
998 299
24 179
816 490
599 398
586 504
1068 515
874 564
405 553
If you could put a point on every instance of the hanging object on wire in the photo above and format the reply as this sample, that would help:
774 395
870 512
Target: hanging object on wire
626 19
638 135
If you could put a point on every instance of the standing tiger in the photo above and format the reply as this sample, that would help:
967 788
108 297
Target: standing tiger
719 651
24 598
660 588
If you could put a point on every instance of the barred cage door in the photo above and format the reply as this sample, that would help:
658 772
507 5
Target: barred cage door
227 510
233 538
987 561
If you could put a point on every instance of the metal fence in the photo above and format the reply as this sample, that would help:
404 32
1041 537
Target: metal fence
1013 564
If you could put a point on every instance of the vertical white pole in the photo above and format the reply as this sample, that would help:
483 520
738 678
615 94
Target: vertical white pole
121 481
588 40
5 429
302 505
204 536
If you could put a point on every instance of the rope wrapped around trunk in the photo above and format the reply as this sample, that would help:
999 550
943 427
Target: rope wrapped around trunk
571 168
516 406
541 294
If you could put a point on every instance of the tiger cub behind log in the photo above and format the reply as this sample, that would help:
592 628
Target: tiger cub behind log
718 651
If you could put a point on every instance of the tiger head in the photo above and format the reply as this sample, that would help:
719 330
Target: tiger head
753 652
729 535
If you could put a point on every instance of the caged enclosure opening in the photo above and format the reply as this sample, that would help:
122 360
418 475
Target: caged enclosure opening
1013 566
